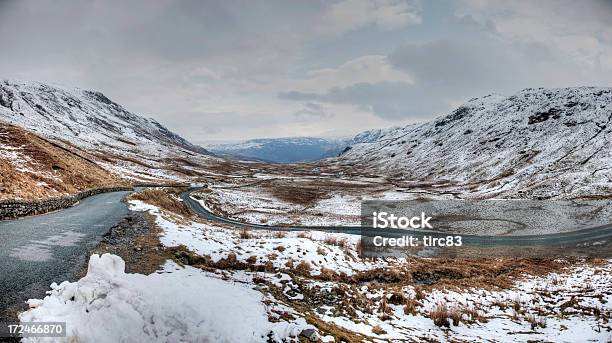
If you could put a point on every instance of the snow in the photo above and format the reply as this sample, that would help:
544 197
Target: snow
177 304
536 143
21 161
539 297
219 243
186 304
99 126
253 205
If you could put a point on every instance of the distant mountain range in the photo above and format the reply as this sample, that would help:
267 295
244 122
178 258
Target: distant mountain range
282 150
538 143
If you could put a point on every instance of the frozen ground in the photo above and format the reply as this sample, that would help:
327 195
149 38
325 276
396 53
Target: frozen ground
342 207
180 303
571 307
256 204
177 304
319 249
574 305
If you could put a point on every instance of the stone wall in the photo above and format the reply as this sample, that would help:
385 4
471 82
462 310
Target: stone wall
10 209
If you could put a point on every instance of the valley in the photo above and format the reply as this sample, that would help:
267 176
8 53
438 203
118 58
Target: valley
282 150
281 243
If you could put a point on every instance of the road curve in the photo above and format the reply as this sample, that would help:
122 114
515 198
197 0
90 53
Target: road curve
590 235
36 251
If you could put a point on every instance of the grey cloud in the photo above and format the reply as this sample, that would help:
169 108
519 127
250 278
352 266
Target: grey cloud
312 109
448 72
365 92
484 64
143 53
201 125
388 100
180 60
455 63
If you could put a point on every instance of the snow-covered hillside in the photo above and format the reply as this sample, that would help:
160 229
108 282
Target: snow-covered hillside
282 150
34 168
538 143
126 143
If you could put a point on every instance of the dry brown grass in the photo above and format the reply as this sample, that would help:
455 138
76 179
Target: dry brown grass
359 248
296 194
164 199
377 330
289 264
304 234
303 269
442 316
458 274
502 305
280 234
410 306
536 321
455 316
331 240
178 190
245 234
328 275
325 328
64 169
516 305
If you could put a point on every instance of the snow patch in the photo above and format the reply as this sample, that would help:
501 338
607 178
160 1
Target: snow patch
176 304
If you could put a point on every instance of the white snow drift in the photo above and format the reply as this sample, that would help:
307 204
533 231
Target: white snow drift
177 305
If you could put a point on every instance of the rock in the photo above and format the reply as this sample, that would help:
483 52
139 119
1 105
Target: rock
311 334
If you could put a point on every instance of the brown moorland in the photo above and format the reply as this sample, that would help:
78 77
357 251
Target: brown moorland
32 167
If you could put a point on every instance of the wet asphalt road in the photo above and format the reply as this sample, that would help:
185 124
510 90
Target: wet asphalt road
38 250
562 240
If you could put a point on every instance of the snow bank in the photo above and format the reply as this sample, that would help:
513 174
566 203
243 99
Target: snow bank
176 305
218 243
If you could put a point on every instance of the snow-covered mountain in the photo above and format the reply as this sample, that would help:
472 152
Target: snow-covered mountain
126 143
536 143
282 150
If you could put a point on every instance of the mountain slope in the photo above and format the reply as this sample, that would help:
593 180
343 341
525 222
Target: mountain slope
538 143
130 145
34 168
282 150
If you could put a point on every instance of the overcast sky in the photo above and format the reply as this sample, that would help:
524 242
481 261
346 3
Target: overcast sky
231 70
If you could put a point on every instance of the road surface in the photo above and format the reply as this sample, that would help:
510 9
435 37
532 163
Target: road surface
583 236
36 251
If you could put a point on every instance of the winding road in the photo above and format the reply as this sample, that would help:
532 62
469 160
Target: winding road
591 235
36 251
